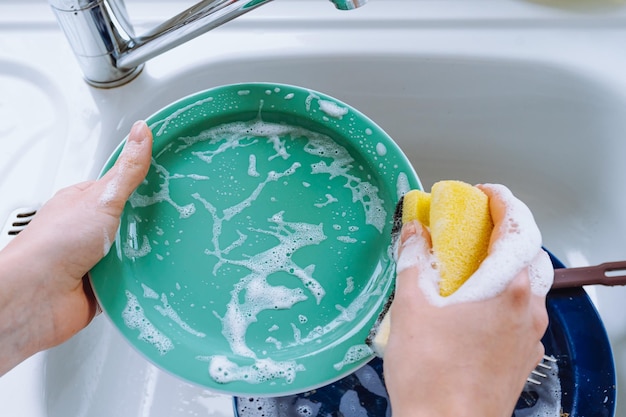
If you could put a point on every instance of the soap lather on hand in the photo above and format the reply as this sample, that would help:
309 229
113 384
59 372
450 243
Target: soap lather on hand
458 216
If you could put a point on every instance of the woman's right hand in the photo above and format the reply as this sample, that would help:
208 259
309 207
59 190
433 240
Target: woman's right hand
467 358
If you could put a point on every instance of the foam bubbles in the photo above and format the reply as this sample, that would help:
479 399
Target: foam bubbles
223 370
402 185
110 191
163 195
135 318
518 246
353 355
106 246
349 286
252 166
133 250
168 311
332 109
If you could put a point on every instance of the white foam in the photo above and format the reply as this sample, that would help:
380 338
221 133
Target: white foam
107 243
402 185
110 191
132 250
163 195
259 294
349 286
149 292
329 200
197 177
135 318
354 354
381 149
241 134
518 246
166 310
346 239
332 109
252 166
277 343
223 370
166 122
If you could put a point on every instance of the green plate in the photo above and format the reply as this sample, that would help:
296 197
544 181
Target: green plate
255 257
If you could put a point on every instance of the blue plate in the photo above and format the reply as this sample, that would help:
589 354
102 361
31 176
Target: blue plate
575 337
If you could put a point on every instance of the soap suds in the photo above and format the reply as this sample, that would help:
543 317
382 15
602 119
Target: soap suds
110 191
329 200
332 109
252 293
163 195
166 310
223 371
349 286
518 247
107 242
402 185
353 355
149 292
252 166
133 250
135 318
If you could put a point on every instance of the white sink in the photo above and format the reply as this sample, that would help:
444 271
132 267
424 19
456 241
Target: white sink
484 91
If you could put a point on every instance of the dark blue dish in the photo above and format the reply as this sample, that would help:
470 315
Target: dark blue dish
575 337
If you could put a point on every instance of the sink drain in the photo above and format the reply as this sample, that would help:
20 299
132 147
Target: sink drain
16 222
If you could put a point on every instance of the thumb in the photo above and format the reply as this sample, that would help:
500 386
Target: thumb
130 169
415 262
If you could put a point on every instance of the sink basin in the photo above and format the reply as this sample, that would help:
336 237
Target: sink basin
27 91
519 94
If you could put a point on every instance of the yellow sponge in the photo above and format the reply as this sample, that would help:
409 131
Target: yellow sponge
460 225
416 206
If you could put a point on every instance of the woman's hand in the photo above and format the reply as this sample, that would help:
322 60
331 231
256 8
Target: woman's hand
45 297
466 358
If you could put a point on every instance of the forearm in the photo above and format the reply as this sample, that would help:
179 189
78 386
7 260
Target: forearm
20 328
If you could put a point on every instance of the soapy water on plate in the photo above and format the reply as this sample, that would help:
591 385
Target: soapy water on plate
283 163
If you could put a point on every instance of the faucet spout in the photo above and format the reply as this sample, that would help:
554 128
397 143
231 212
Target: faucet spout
198 19
110 54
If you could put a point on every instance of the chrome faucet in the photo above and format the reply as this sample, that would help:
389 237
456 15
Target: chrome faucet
110 54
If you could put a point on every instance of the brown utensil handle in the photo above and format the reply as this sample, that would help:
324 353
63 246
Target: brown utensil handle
610 273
